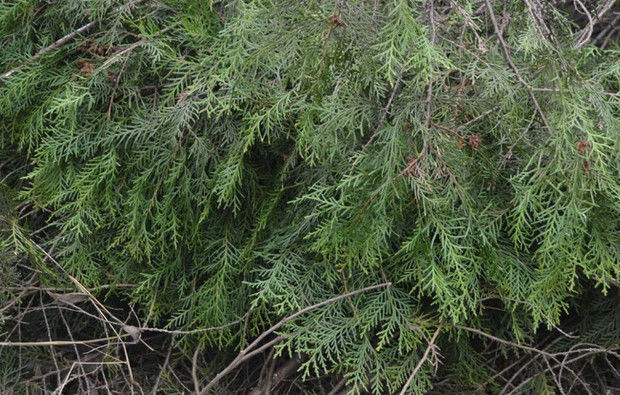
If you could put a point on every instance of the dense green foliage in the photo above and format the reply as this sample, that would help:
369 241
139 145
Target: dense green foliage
197 164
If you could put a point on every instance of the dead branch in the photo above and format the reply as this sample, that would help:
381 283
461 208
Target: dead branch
584 36
58 43
429 348
60 342
512 65
246 351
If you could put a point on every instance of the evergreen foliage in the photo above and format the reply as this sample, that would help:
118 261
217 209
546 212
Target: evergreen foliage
208 168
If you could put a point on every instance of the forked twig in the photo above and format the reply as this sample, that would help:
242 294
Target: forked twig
246 352
431 345
585 34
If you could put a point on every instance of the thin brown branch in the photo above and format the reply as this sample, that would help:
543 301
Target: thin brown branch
555 378
75 348
285 371
264 347
116 82
515 363
585 34
58 43
454 132
195 379
591 348
503 341
161 372
512 65
263 376
469 23
338 386
262 336
49 336
60 289
432 39
100 309
59 342
189 332
133 46
508 154
558 364
385 110
536 11
430 346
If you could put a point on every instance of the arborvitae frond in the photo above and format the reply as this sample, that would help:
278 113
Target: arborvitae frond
208 169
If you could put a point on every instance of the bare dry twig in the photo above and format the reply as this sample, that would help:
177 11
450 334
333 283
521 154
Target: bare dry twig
584 36
512 65
429 348
246 352
58 43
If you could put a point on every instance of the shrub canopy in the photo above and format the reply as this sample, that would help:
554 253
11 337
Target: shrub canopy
179 176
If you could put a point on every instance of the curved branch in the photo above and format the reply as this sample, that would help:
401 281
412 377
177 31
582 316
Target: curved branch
277 326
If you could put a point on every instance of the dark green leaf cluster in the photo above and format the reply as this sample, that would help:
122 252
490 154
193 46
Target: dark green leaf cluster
239 161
